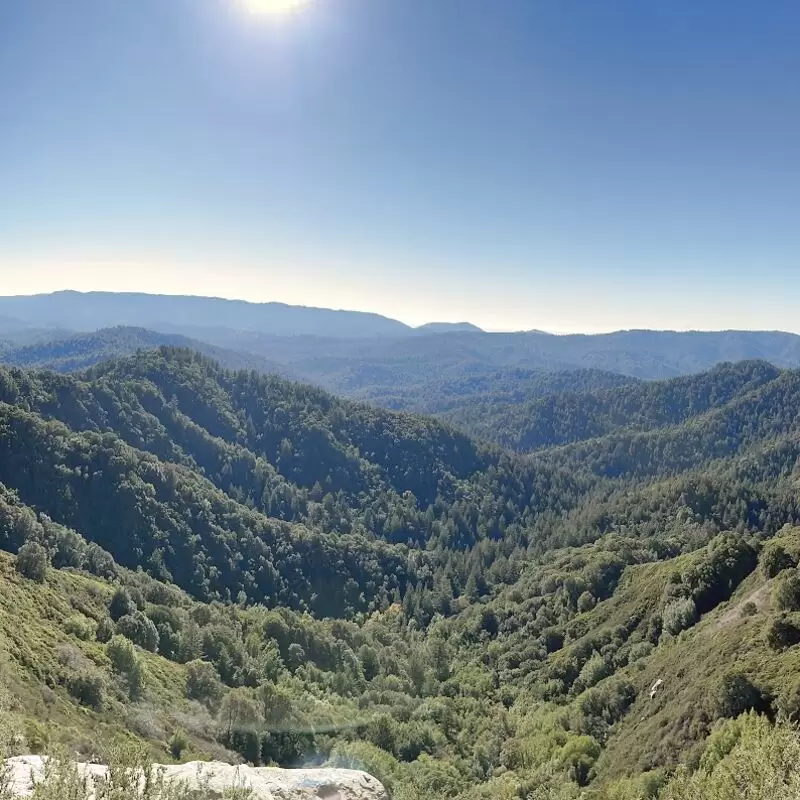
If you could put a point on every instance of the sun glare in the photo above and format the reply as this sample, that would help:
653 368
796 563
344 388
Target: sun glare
272 7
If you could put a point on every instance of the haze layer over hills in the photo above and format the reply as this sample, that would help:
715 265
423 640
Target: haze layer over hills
431 369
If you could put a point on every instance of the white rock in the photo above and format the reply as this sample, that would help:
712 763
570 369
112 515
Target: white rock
266 783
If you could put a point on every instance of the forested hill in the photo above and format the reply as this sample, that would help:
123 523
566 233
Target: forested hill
464 622
577 409
152 438
75 352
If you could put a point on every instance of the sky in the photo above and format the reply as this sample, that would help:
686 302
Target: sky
556 164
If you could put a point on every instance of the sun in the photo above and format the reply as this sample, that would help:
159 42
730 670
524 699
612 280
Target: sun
272 7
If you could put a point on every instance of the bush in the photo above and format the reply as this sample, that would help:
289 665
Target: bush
787 591
737 694
295 657
80 627
203 683
782 634
121 654
177 744
88 688
679 615
788 704
775 559
594 670
125 662
139 629
121 604
32 562
749 609
105 630
586 602
639 650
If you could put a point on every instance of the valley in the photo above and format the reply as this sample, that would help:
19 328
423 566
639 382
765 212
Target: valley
231 565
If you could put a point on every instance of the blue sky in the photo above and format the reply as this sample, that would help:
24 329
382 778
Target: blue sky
554 164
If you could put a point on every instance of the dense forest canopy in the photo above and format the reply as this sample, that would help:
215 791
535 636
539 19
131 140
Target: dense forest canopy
299 578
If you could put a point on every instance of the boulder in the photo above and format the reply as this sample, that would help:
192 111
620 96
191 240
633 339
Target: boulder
265 783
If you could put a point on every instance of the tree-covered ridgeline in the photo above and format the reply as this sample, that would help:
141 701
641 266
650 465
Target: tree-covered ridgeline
298 578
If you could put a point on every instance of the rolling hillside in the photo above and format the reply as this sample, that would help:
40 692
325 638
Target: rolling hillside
298 578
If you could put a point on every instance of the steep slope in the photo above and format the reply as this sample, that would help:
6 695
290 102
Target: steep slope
95 657
285 448
458 620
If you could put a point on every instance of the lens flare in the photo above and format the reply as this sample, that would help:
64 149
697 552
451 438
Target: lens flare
272 7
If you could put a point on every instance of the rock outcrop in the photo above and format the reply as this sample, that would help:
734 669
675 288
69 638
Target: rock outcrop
265 783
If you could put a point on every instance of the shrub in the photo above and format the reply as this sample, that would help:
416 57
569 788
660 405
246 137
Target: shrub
121 653
369 662
203 683
586 602
124 660
679 615
594 670
139 629
80 627
787 591
32 562
177 744
737 694
639 650
749 609
775 559
782 634
382 732
295 656
105 630
121 604
88 688
788 704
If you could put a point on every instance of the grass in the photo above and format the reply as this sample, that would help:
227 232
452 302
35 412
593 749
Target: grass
40 644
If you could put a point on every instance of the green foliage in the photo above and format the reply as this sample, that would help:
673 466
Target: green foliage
787 591
32 562
679 615
586 602
88 688
203 683
80 627
105 630
737 694
121 604
321 580
774 559
127 663
139 629
783 632
177 744
760 764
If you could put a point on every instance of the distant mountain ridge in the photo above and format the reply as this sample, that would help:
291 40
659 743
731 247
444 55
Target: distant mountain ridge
449 327
89 311
431 369
79 351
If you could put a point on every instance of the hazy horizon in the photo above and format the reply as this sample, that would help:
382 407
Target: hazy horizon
437 320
